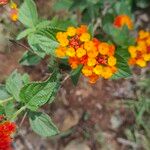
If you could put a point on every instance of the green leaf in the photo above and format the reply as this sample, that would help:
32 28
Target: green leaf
3 92
123 7
37 94
62 5
90 28
28 13
2 111
42 45
25 33
29 59
42 124
123 68
9 109
25 78
121 36
142 3
14 84
124 53
43 24
75 74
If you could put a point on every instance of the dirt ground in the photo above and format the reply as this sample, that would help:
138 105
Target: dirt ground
85 114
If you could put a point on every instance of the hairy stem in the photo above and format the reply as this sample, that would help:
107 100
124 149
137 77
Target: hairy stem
18 112
6 100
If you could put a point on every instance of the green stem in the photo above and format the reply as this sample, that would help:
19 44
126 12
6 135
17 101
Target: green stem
18 112
6 100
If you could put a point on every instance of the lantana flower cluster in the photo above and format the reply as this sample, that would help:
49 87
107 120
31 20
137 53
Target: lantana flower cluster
13 12
6 130
3 2
96 57
140 54
122 20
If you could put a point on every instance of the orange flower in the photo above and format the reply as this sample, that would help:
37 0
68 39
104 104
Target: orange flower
87 71
60 51
140 53
93 78
6 129
97 57
71 31
82 29
13 11
122 20
70 52
80 52
85 37
74 62
103 48
3 2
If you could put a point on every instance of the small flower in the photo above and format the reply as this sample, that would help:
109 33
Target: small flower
80 52
3 2
70 52
122 20
60 52
87 71
112 61
13 11
98 69
71 31
85 37
103 48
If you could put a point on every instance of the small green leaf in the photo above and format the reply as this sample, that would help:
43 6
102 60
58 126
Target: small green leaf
43 24
28 13
29 59
62 5
25 78
42 45
75 74
42 124
123 68
2 110
90 28
3 92
9 109
37 94
25 33
14 84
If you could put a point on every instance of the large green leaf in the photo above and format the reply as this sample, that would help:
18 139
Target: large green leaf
28 13
37 94
75 74
123 68
29 59
14 83
42 124
42 45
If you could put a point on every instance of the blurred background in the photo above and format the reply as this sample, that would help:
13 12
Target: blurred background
109 115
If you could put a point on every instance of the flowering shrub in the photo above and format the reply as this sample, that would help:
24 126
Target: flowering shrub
102 47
